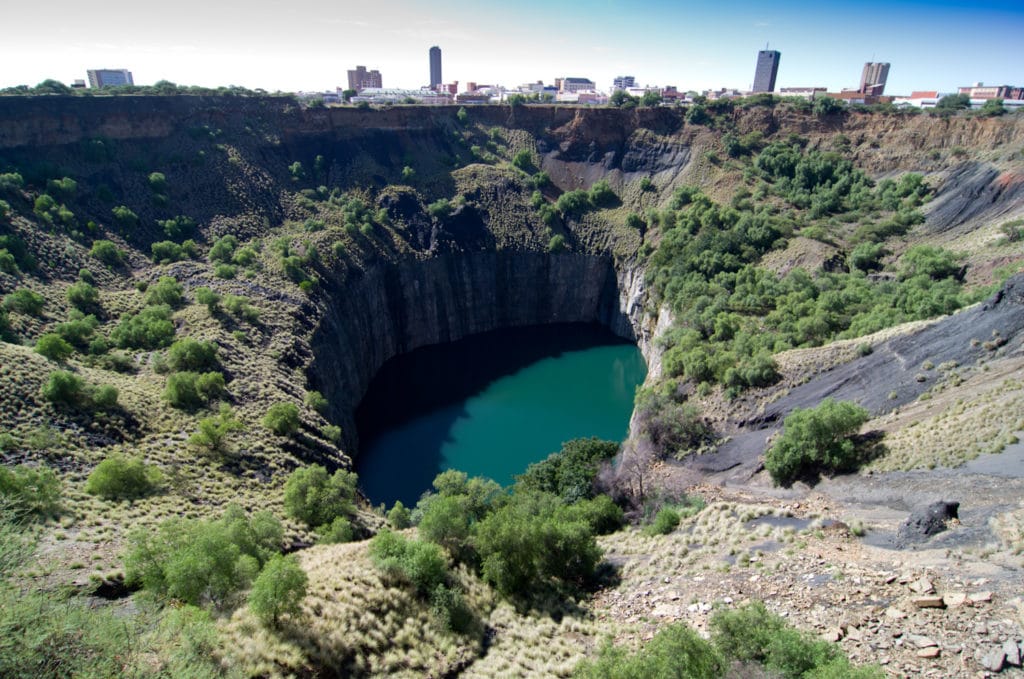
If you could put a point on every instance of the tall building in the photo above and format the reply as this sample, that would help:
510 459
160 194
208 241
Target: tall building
360 79
109 77
874 77
435 66
623 82
767 69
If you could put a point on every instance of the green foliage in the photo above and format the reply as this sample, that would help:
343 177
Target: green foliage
933 262
208 298
316 498
316 401
338 530
992 107
202 561
675 652
420 564
79 330
534 543
11 182
124 217
462 115
104 397
158 182
195 355
83 296
440 208
574 203
826 106
223 250
24 301
816 440
523 160
53 347
399 516
676 429
664 522
282 419
745 633
866 257
557 244
108 253
167 251
65 388
119 477
650 98
953 102
212 435
569 473
601 194
166 291
8 264
278 590
189 390
239 306
178 227
149 329
29 490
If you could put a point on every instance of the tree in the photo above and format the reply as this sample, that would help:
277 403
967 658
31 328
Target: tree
83 296
816 440
35 490
399 516
316 498
651 98
53 347
953 102
64 388
119 477
25 301
279 589
190 390
167 291
282 419
993 107
212 436
190 354
107 252
150 329
826 106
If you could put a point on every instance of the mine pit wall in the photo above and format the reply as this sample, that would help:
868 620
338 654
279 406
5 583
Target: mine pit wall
397 307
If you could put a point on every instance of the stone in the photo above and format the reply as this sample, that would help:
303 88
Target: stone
894 613
925 522
832 634
922 586
930 601
1012 651
954 599
994 660
930 652
980 597
853 633
921 641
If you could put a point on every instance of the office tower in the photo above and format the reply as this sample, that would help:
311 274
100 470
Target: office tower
360 79
435 66
623 82
875 74
109 77
767 69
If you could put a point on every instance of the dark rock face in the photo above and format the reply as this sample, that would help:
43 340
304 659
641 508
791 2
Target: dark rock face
394 308
926 522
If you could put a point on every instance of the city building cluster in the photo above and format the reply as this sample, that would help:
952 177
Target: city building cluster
367 86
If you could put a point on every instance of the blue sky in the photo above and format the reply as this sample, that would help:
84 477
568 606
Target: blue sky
309 44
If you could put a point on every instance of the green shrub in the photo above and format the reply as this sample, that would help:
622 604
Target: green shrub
316 401
316 498
208 298
119 477
440 208
278 590
167 251
65 388
569 473
239 306
79 330
225 271
11 182
523 160
556 244
150 329
24 301
178 228
223 250
83 296
158 182
420 564
399 516
124 217
601 194
282 419
746 632
675 652
108 253
212 436
191 390
332 433
574 202
32 490
8 264
188 354
53 347
815 440
664 523
104 397
339 530
166 291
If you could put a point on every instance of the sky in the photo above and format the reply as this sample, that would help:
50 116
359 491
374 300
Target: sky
308 45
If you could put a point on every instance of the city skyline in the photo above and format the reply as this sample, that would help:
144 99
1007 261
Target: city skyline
310 44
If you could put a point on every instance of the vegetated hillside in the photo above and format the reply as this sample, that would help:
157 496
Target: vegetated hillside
207 285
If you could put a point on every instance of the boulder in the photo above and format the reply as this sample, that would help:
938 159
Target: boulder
925 522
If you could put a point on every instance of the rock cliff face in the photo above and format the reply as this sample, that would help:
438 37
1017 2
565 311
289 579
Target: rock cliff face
393 308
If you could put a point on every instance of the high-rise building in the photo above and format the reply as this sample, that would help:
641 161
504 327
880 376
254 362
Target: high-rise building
435 66
109 77
360 79
874 77
767 69
623 82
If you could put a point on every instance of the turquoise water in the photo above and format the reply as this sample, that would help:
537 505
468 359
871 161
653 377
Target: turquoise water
492 404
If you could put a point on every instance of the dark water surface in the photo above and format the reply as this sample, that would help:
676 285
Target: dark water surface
491 404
